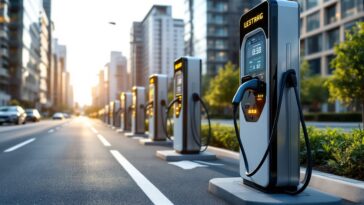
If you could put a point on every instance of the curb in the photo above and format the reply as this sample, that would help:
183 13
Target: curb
346 188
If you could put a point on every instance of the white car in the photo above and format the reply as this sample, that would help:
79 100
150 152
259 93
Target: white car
12 114
58 116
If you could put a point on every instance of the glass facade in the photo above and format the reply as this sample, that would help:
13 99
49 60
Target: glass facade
314 44
25 41
313 21
333 38
330 14
315 66
351 7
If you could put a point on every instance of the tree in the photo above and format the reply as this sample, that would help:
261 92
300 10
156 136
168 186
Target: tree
313 94
223 86
347 82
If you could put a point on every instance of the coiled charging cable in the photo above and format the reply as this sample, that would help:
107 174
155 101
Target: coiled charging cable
164 121
289 79
196 98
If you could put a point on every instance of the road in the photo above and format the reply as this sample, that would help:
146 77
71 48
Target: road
346 126
82 161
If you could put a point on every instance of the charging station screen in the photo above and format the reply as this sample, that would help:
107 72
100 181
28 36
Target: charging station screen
255 55
178 83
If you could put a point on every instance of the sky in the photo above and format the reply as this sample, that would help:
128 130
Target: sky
83 26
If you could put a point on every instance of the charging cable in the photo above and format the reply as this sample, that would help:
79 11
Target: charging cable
196 98
289 80
164 121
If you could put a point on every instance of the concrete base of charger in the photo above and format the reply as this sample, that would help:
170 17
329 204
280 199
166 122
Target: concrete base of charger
171 156
130 134
234 191
151 142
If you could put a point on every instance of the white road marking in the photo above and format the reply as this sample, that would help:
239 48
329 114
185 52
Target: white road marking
19 145
51 131
94 130
152 192
187 164
103 140
208 163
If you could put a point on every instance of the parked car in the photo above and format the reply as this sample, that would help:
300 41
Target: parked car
58 116
12 114
32 115
66 115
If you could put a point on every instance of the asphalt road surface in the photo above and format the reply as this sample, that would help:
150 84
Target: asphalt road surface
82 161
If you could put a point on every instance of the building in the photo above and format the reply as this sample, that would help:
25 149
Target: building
157 41
135 60
212 31
4 53
61 89
47 6
43 61
117 75
323 25
24 50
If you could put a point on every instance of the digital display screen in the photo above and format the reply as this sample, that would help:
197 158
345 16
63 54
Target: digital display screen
178 82
255 53
151 92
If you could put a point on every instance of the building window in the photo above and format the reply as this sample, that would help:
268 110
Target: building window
315 66
220 44
330 14
302 5
302 47
333 38
311 4
351 7
314 44
313 21
329 67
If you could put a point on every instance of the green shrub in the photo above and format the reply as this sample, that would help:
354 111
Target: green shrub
222 136
333 117
333 150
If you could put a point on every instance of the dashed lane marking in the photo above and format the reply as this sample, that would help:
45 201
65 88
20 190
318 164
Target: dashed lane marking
103 140
152 192
19 145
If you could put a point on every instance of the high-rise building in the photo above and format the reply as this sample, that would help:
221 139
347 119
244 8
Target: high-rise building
157 41
24 50
61 93
4 53
117 75
47 5
212 31
323 25
43 61
136 59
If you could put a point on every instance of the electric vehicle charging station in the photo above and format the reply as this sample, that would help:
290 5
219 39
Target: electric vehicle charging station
111 113
107 119
116 114
186 113
138 112
157 117
126 111
270 113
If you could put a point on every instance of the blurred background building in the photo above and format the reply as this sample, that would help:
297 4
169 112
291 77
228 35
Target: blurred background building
155 43
4 52
212 31
323 25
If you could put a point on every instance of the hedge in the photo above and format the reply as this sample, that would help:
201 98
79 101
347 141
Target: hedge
334 117
333 150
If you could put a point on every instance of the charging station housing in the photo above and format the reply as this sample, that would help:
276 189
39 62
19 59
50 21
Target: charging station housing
138 110
187 81
269 46
158 90
116 114
126 111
